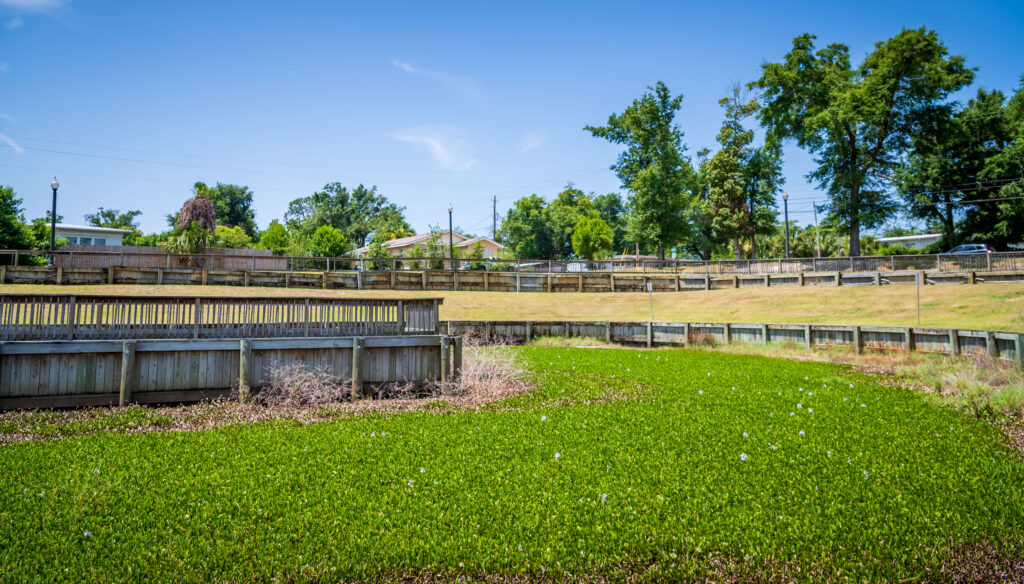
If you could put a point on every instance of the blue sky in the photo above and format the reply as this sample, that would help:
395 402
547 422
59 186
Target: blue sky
130 103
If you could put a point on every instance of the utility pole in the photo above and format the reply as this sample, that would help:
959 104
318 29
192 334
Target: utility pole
494 218
817 236
785 204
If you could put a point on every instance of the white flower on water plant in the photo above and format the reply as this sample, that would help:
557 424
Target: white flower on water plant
851 386
422 470
865 474
558 455
805 377
801 432
604 497
520 547
744 434
798 406
543 418
773 447
792 414
410 482
700 392
87 534
810 410
743 456
373 434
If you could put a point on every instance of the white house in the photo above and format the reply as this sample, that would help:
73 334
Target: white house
914 241
89 235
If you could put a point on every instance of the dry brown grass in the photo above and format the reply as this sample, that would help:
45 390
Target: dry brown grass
982 306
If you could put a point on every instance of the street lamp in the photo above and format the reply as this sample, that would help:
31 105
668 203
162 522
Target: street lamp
785 206
53 216
451 242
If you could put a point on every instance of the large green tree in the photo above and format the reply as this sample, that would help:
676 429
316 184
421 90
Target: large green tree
563 214
742 179
858 122
526 231
357 213
115 219
944 170
592 238
613 212
653 167
13 232
1001 220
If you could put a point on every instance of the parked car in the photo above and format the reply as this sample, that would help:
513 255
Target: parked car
970 248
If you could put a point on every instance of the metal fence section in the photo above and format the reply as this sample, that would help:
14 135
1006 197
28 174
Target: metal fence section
259 260
75 317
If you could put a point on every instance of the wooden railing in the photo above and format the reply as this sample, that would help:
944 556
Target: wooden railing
1001 261
74 317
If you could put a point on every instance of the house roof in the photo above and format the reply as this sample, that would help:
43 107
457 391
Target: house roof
473 241
412 239
89 228
925 237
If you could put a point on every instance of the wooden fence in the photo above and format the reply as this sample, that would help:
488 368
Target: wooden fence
37 317
264 260
1006 346
485 281
47 374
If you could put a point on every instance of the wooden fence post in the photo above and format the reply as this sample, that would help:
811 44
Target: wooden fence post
800 278
445 359
323 283
650 334
359 279
1018 347
549 277
686 333
839 278
954 342
992 344
707 281
764 330
858 344
3 273
581 283
197 320
72 318
60 275
456 358
357 369
306 317
244 370
401 317
517 282
611 281
908 333
245 278
529 331
608 332
486 283
127 368
110 275
808 336
423 280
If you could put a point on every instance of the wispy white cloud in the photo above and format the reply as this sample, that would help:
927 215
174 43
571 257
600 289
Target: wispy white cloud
34 5
533 139
14 145
465 86
445 144
14 23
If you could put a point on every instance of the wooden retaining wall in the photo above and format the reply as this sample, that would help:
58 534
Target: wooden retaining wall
483 281
1006 346
37 317
46 374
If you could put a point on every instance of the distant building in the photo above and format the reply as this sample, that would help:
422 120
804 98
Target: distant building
89 235
914 241
403 245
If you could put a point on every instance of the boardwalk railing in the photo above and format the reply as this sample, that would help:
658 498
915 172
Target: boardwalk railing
77 317
1003 345
259 261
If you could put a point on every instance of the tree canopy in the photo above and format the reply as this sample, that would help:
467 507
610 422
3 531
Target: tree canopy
858 122
653 167
356 213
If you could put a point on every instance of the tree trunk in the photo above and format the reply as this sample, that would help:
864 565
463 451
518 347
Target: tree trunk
736 247
948 227
661 253
855 221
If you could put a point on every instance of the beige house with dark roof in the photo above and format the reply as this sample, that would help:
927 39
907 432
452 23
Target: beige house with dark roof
463 245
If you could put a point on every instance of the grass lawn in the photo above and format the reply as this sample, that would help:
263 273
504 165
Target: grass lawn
658 464
983 306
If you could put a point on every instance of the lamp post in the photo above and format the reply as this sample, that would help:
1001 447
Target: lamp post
785 206
53 216
451 242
